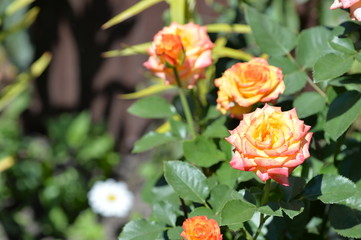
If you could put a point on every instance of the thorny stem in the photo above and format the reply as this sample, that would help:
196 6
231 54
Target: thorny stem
185 105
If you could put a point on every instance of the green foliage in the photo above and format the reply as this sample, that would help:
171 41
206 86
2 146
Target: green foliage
141 229
152 107
202 152
320 65
273 38
186 180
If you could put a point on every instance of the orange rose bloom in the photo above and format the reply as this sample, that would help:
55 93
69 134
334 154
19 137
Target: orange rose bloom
270 143
184 47
200 228
170 50
245 84
354 5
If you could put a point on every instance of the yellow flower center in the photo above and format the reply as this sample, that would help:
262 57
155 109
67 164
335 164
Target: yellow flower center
111 197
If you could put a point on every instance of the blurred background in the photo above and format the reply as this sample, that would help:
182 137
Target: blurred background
63 125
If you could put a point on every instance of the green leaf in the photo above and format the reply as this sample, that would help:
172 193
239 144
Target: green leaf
358 57
295 82
217 129
174 233
228 175
342 113
287 65
354 201
86 227
273 38
152 107
151 90
202 152
220 195
39 66
186 180
78 130
343 44
329 188
151 140
128 51
226 148
221 52
16 6
165 212
312 44
296 186
292 208
96 148
178 128
303 102
228 28
141 229
331 66
272 209
236 212
291 16
130 12
203 211
346 221
350 82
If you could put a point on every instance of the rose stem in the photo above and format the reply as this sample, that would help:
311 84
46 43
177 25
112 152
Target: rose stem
263 218
185 105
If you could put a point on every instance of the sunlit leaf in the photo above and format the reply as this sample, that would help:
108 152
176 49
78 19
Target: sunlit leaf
130 12
151 140
329 188
312 44
151 90
6 163
228 28
220 52
128 50
16 6
152 107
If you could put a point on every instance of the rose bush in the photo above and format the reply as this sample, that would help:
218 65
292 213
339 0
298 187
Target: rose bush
201 228
270 143
271 60
187 48
354 5
245 84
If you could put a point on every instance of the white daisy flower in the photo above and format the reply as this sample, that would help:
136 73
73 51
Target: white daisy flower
110 198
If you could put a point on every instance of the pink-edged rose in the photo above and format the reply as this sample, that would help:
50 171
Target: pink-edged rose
270 143
187 48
